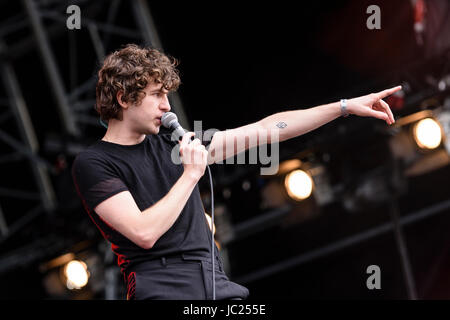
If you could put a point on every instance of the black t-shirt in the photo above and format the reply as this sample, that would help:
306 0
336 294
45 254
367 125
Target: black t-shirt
147 171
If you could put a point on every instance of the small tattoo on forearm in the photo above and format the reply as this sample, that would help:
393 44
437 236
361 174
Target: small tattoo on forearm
281 125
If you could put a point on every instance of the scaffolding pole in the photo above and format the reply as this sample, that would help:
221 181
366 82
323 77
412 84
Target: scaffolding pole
27 133
151 38
341 244
67 117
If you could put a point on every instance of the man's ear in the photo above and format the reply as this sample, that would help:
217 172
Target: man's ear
119 96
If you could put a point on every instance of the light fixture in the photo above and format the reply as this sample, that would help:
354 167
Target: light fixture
419 141
76 274
299 185
427 133
444 119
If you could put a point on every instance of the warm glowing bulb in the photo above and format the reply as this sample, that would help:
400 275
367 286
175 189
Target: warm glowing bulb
427 133
298 184
76 274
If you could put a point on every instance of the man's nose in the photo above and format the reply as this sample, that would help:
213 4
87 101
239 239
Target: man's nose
165 105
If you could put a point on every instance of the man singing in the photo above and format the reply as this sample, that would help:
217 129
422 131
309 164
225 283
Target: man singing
149 207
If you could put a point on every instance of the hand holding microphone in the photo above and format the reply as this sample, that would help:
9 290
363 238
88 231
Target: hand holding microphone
194 155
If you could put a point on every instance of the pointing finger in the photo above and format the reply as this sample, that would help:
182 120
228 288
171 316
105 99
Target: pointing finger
388 92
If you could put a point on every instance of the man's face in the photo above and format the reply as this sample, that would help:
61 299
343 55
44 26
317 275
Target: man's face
146 117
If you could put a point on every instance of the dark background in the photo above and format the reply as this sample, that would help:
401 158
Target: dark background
239 63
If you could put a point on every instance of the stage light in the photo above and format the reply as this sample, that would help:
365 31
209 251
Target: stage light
427 133
299 185
76 274
420 141
371 190
317 173
444 119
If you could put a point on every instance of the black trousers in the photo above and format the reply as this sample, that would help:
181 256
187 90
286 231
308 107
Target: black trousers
181 277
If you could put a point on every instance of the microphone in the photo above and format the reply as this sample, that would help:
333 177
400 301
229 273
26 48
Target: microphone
170 121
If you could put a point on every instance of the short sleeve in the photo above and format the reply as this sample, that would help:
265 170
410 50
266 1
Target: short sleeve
95 180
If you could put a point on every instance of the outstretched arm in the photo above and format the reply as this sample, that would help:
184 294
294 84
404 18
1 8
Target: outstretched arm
290 124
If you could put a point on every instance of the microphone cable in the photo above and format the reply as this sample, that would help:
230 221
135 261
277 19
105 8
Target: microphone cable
212 236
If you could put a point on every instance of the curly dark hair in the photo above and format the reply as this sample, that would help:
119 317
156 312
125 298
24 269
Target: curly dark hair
130 70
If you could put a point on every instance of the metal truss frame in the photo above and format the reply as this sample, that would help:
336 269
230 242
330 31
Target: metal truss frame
43 18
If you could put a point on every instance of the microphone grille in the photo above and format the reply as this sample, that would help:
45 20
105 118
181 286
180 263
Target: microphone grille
168 119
